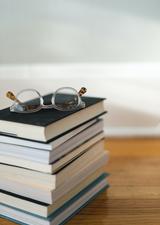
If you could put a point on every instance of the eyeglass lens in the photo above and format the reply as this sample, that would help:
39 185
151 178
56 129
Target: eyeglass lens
66 99
28 100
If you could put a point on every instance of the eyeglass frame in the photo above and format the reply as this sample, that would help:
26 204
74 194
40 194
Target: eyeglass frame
81 104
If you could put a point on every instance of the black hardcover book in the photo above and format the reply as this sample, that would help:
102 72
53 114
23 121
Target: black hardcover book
48 123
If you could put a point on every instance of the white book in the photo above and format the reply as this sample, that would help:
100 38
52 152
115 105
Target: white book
54 167
43 209
63 214
40 145
47 157
47 194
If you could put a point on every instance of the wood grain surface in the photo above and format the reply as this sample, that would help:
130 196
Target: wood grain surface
134 195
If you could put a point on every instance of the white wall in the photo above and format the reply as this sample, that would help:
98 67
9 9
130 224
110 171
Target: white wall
48 31
132 90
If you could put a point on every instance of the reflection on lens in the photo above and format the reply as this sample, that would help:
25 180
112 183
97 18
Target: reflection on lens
29 100
66 99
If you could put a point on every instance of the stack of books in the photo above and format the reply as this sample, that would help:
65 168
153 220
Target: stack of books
52 163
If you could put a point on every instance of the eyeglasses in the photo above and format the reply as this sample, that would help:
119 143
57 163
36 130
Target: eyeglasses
30 100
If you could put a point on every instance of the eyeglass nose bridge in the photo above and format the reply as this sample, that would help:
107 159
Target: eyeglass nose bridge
50 106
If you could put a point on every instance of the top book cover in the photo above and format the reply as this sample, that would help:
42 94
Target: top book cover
48 123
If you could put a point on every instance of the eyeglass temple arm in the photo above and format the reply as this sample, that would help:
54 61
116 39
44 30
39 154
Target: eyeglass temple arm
82 91
12 97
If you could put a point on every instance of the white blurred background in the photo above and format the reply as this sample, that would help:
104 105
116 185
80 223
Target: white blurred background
110 46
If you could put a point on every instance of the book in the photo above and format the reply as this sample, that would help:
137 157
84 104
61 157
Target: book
55 166
48 123
49 145
46 194
48 157
42 209
30 177
64 213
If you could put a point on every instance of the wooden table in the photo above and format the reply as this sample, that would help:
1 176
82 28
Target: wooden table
134 195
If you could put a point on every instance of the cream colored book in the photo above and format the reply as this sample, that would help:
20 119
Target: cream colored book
46 193
64 213
24 176
41 209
